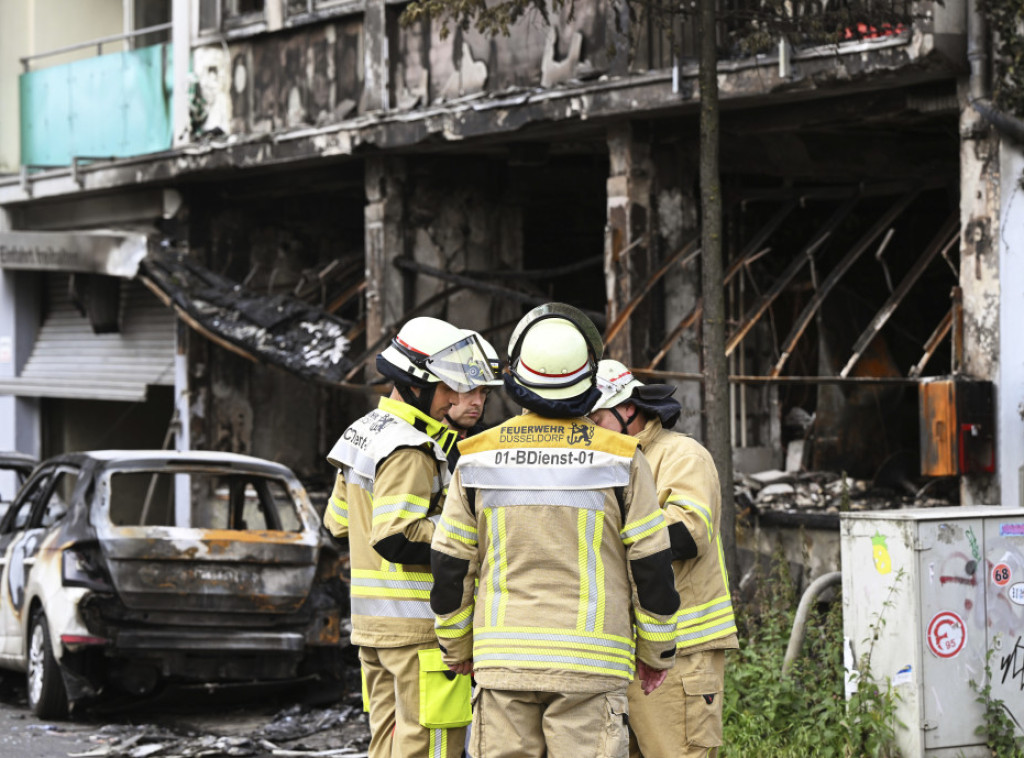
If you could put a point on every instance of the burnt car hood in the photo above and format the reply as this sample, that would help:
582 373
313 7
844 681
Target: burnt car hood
182 569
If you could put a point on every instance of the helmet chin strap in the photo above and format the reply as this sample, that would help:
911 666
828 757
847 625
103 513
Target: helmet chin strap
422 402
624 424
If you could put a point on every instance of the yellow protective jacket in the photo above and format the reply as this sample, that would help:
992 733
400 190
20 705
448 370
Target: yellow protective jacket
690 495
392 472
559 522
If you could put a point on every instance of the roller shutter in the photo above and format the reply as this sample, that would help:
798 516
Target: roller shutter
68 360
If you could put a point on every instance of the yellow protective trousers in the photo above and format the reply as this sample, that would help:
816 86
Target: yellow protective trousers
528 724
406 688
683 717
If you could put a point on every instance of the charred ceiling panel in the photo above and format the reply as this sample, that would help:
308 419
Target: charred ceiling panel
308 77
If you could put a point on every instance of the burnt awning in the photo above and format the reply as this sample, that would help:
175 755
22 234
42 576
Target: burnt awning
276 329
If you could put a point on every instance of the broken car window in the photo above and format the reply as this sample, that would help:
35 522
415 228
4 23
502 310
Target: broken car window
37 489
202 500
57 503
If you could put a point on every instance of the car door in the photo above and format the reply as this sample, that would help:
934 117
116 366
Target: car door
14 539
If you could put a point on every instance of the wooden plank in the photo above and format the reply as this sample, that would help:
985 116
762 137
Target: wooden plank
782 281
682 256
946 237
933 343
835 275
689 320
683 376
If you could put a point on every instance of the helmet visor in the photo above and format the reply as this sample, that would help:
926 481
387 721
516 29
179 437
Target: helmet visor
558 310
463 366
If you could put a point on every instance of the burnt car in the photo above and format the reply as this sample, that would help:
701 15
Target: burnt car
14 470
125 571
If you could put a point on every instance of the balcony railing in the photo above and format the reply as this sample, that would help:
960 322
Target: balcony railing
109 106
748 27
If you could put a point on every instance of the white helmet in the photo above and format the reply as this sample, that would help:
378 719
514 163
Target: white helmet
616 383
553 352
428 350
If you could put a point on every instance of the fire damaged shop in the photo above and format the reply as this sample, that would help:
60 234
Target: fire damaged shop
334 171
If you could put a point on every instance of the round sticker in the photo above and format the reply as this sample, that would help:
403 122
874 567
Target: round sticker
1001 574
1016 593
947 634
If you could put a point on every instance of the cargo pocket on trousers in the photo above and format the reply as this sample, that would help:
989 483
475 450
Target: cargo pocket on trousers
703 709
616 734
444 695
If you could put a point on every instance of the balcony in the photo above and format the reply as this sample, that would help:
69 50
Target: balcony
114 105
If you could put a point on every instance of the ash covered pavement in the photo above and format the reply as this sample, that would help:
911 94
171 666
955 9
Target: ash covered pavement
190 726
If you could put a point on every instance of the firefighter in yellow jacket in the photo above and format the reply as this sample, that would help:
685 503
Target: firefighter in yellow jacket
550 549
392 473
684 717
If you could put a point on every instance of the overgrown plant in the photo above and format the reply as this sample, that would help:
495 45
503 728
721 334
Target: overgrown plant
998 729
806 712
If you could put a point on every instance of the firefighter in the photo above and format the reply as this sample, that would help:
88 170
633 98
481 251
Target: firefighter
392 472
558 522
684 717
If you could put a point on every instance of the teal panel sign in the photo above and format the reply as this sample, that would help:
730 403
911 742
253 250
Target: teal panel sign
111 106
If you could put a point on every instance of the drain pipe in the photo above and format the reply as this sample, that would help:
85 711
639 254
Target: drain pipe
796 637
979 86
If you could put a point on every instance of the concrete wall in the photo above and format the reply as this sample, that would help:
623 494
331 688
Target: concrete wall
979 272
19 320
36 26
1010 397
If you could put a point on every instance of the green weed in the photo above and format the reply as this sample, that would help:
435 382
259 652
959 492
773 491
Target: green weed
806 712
998 728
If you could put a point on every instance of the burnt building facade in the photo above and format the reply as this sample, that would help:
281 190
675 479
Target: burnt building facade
332 153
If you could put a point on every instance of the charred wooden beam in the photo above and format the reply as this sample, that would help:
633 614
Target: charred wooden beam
835 275
682 256
757 310
684 376
947 236
475 284
689 320
933 343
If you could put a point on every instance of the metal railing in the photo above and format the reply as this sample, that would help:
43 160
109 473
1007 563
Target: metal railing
98 43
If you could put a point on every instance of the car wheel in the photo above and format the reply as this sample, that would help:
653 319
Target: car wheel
46 693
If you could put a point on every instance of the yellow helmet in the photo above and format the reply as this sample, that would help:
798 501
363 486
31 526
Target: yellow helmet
553 354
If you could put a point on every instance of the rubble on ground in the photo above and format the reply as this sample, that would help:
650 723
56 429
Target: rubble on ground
831 492
296 732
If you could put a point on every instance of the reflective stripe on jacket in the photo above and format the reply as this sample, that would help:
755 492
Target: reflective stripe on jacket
549 516
690 495
391 473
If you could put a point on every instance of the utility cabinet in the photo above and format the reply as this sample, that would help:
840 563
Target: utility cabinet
927 592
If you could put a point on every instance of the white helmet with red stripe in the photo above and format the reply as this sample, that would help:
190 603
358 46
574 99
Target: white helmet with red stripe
616 383
428 350
553 352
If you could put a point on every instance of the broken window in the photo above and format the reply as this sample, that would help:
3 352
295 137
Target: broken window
210 501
